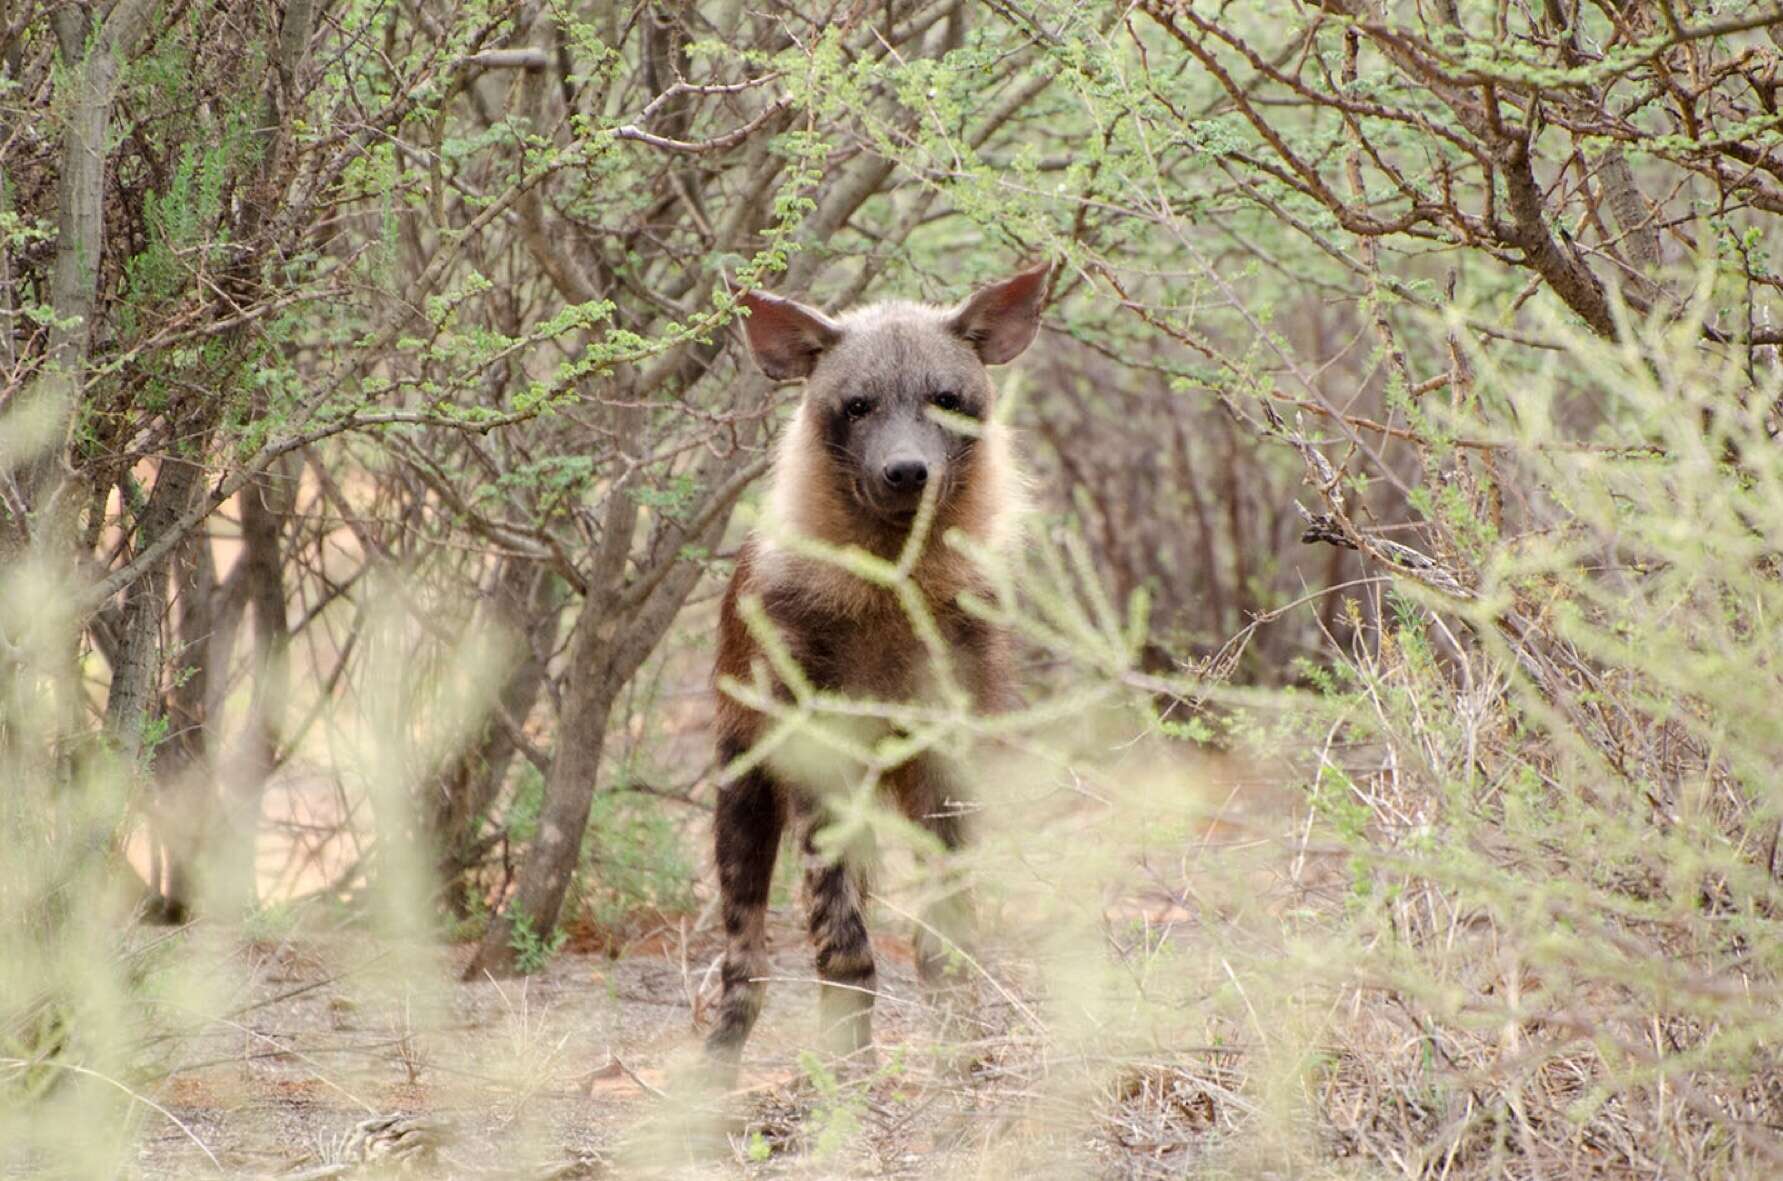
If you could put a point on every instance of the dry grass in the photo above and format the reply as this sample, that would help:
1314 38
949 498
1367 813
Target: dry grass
1491 892
1184 971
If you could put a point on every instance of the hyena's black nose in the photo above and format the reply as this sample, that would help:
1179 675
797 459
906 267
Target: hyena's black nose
906 475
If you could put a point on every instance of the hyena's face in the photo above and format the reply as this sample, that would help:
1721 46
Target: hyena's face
895 389
896 399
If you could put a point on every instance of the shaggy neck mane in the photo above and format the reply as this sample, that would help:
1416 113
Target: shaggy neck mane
808 499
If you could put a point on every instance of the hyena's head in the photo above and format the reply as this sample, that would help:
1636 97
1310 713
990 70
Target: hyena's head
893 389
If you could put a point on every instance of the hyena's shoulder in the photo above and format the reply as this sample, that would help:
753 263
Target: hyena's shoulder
810 628
822 632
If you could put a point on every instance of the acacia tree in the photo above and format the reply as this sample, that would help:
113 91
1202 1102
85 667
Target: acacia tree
450 295
735 147
1544 233
336 332
1274 212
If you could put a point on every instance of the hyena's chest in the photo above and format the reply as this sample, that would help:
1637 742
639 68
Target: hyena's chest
890 679
881 654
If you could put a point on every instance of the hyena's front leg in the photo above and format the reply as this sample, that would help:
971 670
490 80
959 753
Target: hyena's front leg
945 924
839 936
750 817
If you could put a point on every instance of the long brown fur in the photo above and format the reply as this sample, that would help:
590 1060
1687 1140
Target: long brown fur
851 636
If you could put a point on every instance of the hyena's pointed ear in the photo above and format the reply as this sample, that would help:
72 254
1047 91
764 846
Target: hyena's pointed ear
1000 320
786 337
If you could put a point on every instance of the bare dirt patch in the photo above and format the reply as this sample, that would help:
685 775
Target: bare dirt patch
341 1056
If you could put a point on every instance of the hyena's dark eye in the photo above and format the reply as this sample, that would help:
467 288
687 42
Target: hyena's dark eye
857 408
949 401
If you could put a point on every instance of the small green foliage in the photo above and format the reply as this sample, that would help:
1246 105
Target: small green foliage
837 1109
532 948
271 922
634 859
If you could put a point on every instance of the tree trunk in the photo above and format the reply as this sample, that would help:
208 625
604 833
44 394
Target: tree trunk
616 633
232 823
183 808
525 604
234 888
41 510
569 794
582 731
133 699
46 407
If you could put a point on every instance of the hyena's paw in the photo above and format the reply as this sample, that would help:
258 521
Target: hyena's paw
953 1002
693 1121
951 985
845 1028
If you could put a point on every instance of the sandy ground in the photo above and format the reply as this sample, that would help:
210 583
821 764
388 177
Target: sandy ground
582 1069
324 1054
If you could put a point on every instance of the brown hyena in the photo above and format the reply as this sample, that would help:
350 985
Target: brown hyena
853 468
